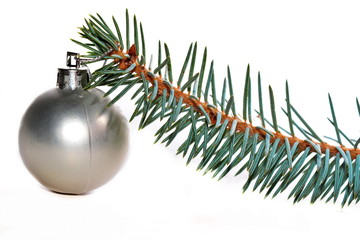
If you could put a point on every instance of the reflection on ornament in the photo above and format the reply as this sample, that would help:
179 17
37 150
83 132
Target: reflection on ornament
73 132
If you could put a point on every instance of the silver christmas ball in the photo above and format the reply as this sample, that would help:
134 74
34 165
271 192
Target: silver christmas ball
69 140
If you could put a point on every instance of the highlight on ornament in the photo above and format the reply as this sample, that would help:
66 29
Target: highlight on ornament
221 138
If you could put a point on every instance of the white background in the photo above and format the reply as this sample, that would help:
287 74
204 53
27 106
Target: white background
313 44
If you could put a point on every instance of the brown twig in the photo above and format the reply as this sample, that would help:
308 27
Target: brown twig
241 126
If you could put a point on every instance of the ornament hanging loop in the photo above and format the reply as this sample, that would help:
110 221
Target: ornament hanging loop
74 76
73 59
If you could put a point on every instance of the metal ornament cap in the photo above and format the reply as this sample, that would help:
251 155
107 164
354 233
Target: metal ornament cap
69 140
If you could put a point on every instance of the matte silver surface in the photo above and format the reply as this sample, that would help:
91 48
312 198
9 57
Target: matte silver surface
71 142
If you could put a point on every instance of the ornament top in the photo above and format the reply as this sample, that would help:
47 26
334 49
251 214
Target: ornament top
72 77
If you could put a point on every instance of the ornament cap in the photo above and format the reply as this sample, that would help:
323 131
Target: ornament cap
72 77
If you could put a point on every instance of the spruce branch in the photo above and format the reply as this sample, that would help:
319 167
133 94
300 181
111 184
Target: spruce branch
274 160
